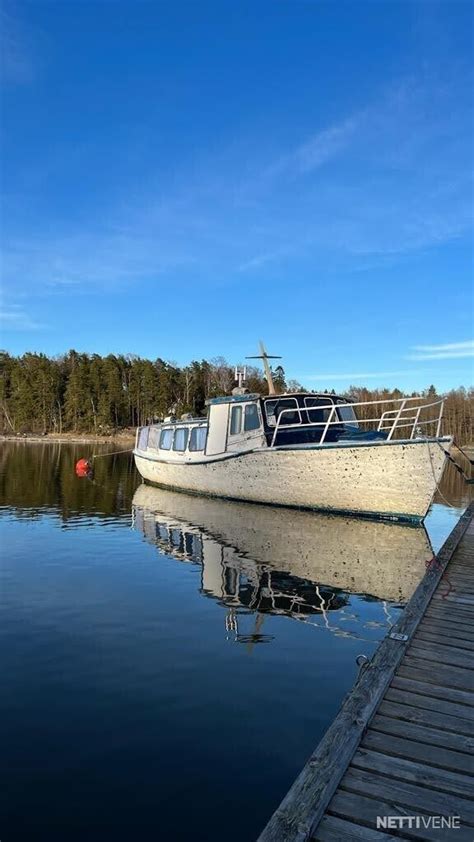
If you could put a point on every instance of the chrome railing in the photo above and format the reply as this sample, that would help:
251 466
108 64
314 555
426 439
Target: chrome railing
389 420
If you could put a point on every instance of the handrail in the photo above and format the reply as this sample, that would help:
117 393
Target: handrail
440 418
396 420
413 421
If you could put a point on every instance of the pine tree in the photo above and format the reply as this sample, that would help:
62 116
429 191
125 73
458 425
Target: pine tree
279 380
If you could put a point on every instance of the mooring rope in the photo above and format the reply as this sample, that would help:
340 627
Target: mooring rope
451 506
471 461
114 453
458 467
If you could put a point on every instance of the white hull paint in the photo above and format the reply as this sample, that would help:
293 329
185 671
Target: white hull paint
394 479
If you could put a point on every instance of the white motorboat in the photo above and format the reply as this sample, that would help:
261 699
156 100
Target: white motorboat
305 450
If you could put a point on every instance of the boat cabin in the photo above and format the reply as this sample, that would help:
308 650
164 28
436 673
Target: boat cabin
244 421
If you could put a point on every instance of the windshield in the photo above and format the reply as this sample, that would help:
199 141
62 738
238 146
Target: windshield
347 414
275 407
320 409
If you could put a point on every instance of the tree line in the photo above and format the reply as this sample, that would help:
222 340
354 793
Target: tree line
89 393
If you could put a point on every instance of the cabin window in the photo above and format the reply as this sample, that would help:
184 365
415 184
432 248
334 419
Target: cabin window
275 407
143 438
166 439
197 440
318 414
153 437
251 417
181 438
346 413
235 420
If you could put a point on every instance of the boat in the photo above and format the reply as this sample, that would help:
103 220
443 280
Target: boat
304 449
281 561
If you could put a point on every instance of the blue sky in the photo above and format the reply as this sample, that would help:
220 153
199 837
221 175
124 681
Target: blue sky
181 179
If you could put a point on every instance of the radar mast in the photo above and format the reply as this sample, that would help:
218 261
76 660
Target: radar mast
268 372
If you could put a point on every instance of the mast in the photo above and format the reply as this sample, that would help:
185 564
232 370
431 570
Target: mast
268 372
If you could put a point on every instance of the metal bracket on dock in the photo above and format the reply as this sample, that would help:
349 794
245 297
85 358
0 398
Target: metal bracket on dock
397 636
362 662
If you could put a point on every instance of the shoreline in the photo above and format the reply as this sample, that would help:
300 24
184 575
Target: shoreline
126 437
72 438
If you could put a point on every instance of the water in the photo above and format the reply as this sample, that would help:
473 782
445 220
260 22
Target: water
169 662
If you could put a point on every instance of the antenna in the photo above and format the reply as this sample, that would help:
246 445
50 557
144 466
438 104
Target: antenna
240 375
268 372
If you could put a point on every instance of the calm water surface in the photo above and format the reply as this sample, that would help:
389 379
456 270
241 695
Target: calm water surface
169 662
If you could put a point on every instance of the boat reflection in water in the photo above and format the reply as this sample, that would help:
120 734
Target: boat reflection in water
279 561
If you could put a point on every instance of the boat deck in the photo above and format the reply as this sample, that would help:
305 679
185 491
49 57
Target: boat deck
402 745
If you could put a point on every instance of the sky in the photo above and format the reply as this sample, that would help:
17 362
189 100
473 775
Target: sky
181 179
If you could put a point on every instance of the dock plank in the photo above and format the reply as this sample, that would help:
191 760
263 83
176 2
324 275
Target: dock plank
451 676
461 584
429 703
457 614
443 627
427 635
439 757
425 674
422 733
452 599
441 654
434 690
428 718
456 571
332 829
465 601
407 770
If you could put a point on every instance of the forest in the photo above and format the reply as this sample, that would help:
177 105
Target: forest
88 393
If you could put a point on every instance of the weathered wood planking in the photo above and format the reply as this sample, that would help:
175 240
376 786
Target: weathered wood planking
421 733
411 749
364 810
428 703
337 794
332 829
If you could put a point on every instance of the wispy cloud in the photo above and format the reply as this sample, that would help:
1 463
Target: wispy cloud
324 145
316 150
448 351
14 317
250 212
262 259
100 258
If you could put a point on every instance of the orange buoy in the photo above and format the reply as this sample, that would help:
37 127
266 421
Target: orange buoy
83 468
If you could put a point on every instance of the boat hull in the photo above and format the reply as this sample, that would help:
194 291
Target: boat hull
395 480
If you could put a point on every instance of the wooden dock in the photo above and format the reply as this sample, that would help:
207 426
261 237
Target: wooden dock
401 748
